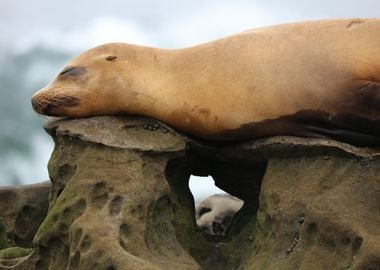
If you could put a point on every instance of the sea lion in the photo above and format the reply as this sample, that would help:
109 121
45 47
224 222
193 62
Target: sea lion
310 79
214 214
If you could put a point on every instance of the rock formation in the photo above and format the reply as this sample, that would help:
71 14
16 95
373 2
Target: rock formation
120 200
22 209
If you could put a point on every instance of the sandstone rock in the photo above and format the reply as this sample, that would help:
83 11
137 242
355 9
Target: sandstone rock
120 200
23 208
4 242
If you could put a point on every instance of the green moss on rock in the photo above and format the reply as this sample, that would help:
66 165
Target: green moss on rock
14 253
120 200
3 235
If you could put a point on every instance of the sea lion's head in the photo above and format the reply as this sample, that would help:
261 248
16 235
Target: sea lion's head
92 83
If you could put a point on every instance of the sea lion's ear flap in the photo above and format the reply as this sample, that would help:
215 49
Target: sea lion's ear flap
111 58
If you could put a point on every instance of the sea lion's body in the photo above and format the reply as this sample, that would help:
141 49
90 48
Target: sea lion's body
317 79
214 214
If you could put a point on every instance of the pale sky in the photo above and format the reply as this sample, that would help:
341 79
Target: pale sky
165 23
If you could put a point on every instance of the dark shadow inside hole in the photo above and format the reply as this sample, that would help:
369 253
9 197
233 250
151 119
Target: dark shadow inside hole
242 180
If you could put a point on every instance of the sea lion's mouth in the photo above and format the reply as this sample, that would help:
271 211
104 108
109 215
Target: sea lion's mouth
49 106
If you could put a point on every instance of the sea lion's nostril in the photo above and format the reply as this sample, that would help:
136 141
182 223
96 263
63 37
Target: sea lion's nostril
39 106
36 104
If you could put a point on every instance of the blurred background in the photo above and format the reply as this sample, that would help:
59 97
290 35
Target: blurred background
38 37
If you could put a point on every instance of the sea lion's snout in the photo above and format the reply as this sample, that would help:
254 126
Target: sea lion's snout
38 104
52 105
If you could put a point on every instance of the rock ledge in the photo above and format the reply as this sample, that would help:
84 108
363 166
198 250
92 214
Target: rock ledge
119 199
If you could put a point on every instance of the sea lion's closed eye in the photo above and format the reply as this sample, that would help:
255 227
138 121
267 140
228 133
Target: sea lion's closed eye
73 71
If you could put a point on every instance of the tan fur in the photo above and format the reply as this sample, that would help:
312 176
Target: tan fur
219 86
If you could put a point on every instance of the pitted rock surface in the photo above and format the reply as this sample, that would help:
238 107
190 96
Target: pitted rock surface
22 209
120 200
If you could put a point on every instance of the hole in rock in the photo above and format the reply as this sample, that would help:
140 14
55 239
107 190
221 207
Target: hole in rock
202 187
214 208
240 178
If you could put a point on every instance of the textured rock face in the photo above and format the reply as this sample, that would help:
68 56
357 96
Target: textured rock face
332 212
22 209
120 200
110 202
